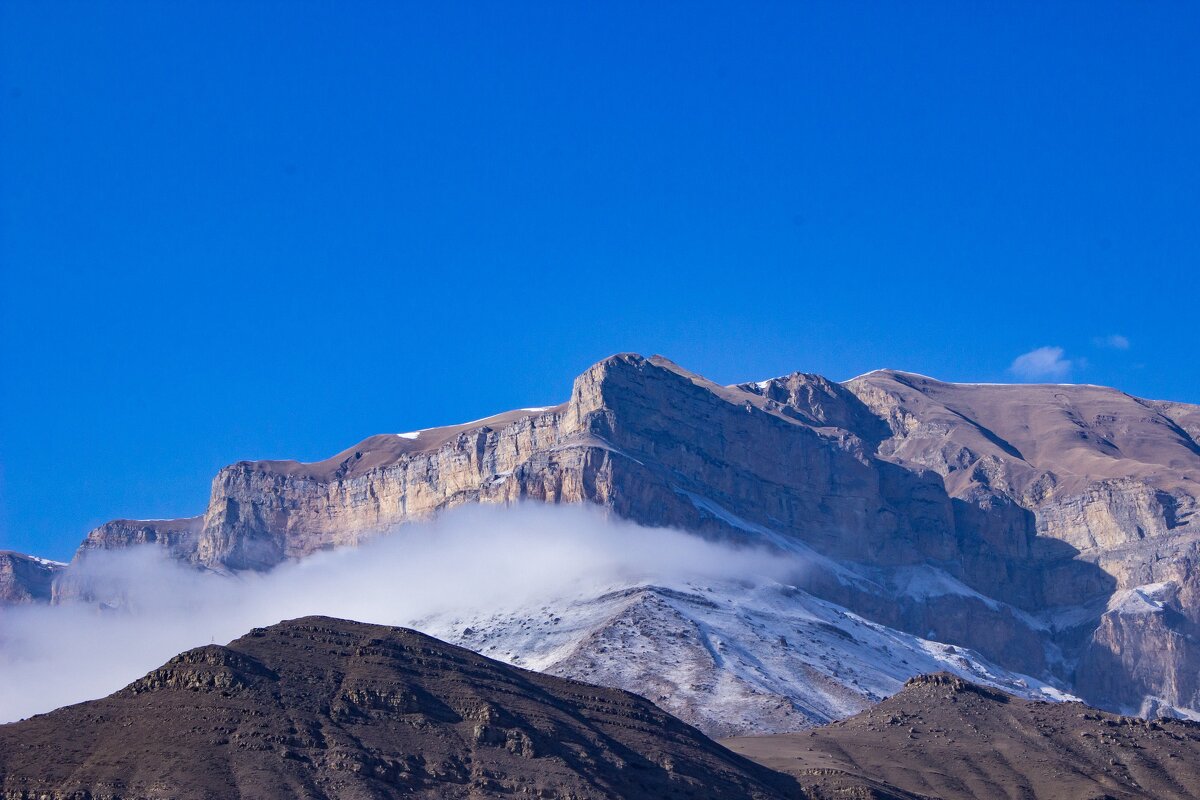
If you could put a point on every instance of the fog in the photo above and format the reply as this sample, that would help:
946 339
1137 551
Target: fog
468 559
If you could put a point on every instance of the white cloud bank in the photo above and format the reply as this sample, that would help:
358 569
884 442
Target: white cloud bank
469 559
1044 363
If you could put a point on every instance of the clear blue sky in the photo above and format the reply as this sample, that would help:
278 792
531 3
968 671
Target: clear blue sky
253 230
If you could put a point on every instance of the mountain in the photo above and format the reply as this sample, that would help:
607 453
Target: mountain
325 708
1042 533
944 738
1111 478
729 657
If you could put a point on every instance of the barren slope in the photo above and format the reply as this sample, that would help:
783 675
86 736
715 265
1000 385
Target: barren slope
944 738
324 708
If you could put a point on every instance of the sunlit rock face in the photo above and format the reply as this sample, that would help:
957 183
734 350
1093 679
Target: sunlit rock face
1000 518
641 436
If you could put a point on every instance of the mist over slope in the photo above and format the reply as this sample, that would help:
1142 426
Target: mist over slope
472 559
716 633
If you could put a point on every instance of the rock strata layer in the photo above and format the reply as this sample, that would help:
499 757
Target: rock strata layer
26 579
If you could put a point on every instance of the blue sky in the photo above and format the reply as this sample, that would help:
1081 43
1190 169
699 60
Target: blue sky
253 230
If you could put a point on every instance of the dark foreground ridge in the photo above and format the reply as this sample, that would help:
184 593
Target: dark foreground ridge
945 738
324 708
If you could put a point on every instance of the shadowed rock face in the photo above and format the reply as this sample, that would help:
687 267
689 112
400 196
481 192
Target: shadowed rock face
24 579
1039 504
944 738
325 708
1113 477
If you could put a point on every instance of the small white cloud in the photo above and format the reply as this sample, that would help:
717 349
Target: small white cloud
1114 341
1042 364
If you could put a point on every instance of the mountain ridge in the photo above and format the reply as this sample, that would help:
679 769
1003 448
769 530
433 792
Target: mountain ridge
1041 501
318 707
944 738
324 708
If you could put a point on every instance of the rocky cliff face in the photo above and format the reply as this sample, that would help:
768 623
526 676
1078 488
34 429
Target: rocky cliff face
654 443
1112 478
999 518
26 579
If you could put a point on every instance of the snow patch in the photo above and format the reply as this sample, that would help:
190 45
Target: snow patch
924 581
963 383
1148 598
715 509
46 562
729 657
1057 695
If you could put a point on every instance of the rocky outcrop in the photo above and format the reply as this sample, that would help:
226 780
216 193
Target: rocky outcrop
950 739
999 518
26 579
652 442
177 537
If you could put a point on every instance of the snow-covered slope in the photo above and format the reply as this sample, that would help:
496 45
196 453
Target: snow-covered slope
730 658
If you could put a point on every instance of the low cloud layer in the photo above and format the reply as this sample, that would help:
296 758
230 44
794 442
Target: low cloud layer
473 558
1044 363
